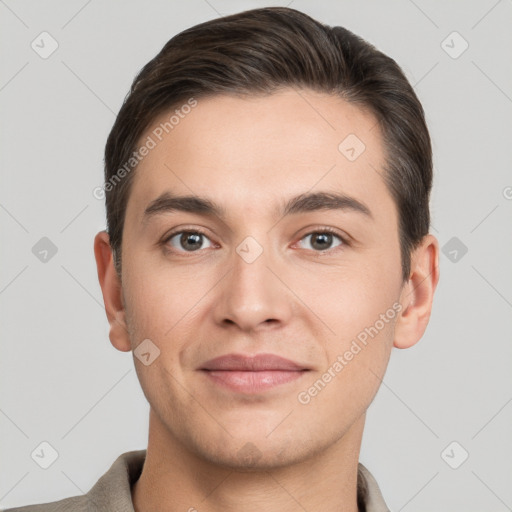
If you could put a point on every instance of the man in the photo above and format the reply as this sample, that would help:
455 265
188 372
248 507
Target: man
267 187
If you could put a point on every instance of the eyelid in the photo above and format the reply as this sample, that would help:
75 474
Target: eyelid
180 230
345 239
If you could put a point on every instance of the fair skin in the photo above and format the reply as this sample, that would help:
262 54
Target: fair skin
305 298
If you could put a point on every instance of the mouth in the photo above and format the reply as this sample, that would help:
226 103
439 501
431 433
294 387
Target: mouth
252 374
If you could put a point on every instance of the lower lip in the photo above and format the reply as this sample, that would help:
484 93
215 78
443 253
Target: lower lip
252 382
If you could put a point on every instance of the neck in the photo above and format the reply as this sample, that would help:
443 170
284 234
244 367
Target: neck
175 479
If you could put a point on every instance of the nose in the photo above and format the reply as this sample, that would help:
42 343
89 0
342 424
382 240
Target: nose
252 295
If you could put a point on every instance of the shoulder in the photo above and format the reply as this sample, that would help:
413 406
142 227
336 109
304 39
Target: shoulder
78 504
369 496
111 492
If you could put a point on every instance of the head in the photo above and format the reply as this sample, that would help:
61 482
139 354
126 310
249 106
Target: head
237 145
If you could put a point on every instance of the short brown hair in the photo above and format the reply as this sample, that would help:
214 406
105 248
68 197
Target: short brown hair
259 52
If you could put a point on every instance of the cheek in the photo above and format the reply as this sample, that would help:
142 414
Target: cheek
163 311
359 307
164 303
347 299
357 357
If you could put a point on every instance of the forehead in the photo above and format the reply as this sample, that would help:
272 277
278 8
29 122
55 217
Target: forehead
251 153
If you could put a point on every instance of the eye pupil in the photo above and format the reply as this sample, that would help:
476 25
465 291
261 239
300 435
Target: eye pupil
324 239
191 240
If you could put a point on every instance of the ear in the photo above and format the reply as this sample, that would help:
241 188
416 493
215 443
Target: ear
112 292
418 293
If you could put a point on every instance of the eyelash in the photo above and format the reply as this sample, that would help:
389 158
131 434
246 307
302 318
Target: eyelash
329 231
196 231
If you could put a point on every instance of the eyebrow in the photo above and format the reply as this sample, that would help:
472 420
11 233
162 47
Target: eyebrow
307 202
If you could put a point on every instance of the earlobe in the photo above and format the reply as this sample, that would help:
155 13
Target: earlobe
418 294
112 292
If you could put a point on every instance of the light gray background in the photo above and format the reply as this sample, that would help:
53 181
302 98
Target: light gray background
61 380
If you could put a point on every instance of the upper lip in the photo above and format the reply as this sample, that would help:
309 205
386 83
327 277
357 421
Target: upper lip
256 363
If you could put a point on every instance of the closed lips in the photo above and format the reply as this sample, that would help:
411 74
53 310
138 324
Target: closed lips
257 363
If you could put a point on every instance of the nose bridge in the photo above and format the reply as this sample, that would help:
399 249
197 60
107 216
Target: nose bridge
251 293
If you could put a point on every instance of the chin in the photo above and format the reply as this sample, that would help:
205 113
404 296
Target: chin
253 452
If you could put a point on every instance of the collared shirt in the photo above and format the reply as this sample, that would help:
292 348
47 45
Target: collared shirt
112 492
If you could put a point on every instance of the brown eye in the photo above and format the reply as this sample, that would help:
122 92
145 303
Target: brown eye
322 240
188 241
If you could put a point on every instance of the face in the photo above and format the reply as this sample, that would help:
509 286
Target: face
290 250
